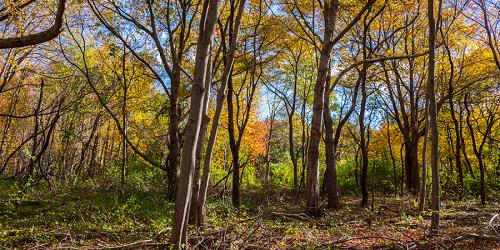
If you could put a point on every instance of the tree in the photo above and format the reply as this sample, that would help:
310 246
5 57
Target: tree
114 16
431 99
257 52
37 38
489 116
330 9
236 127
329 14
293 59
492 31
188 159
229 55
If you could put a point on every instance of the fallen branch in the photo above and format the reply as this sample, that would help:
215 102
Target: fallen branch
220 234
336 243
136 245
474 236
491 224
300 216
479 236
384 207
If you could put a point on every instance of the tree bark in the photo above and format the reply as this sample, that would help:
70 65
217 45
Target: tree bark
393 160
199 148
174 142
312 182
331 143
221 96
34 146
124 122
331 162
268 147
363 142
411 166
188 157
431 98
423 186
40 37
330 15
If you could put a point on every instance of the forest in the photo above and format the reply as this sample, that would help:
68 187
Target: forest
249 124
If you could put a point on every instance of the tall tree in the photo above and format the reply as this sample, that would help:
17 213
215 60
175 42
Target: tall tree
490 117
290 101
330 10
184 190
229 54
154 23
431 99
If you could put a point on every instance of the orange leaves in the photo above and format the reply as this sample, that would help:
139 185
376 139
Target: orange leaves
254 138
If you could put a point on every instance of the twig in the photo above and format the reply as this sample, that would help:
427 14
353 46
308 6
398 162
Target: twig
490 224
384 207
365 238
479 236
136 245
300 216
249 235
474 236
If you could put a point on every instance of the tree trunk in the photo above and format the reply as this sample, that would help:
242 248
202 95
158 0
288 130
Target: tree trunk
393 160
478 152
431 98
174 142
291 149
411 167
221 96
199 147
458 143
202 196
331 143
304 145
268 147
291 146
331 168
34 146
458 146
233 145
363 143
188 157
401 187
356 171
312 182
423 186
124 142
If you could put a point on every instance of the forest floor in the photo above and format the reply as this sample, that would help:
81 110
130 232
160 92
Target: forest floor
267 220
